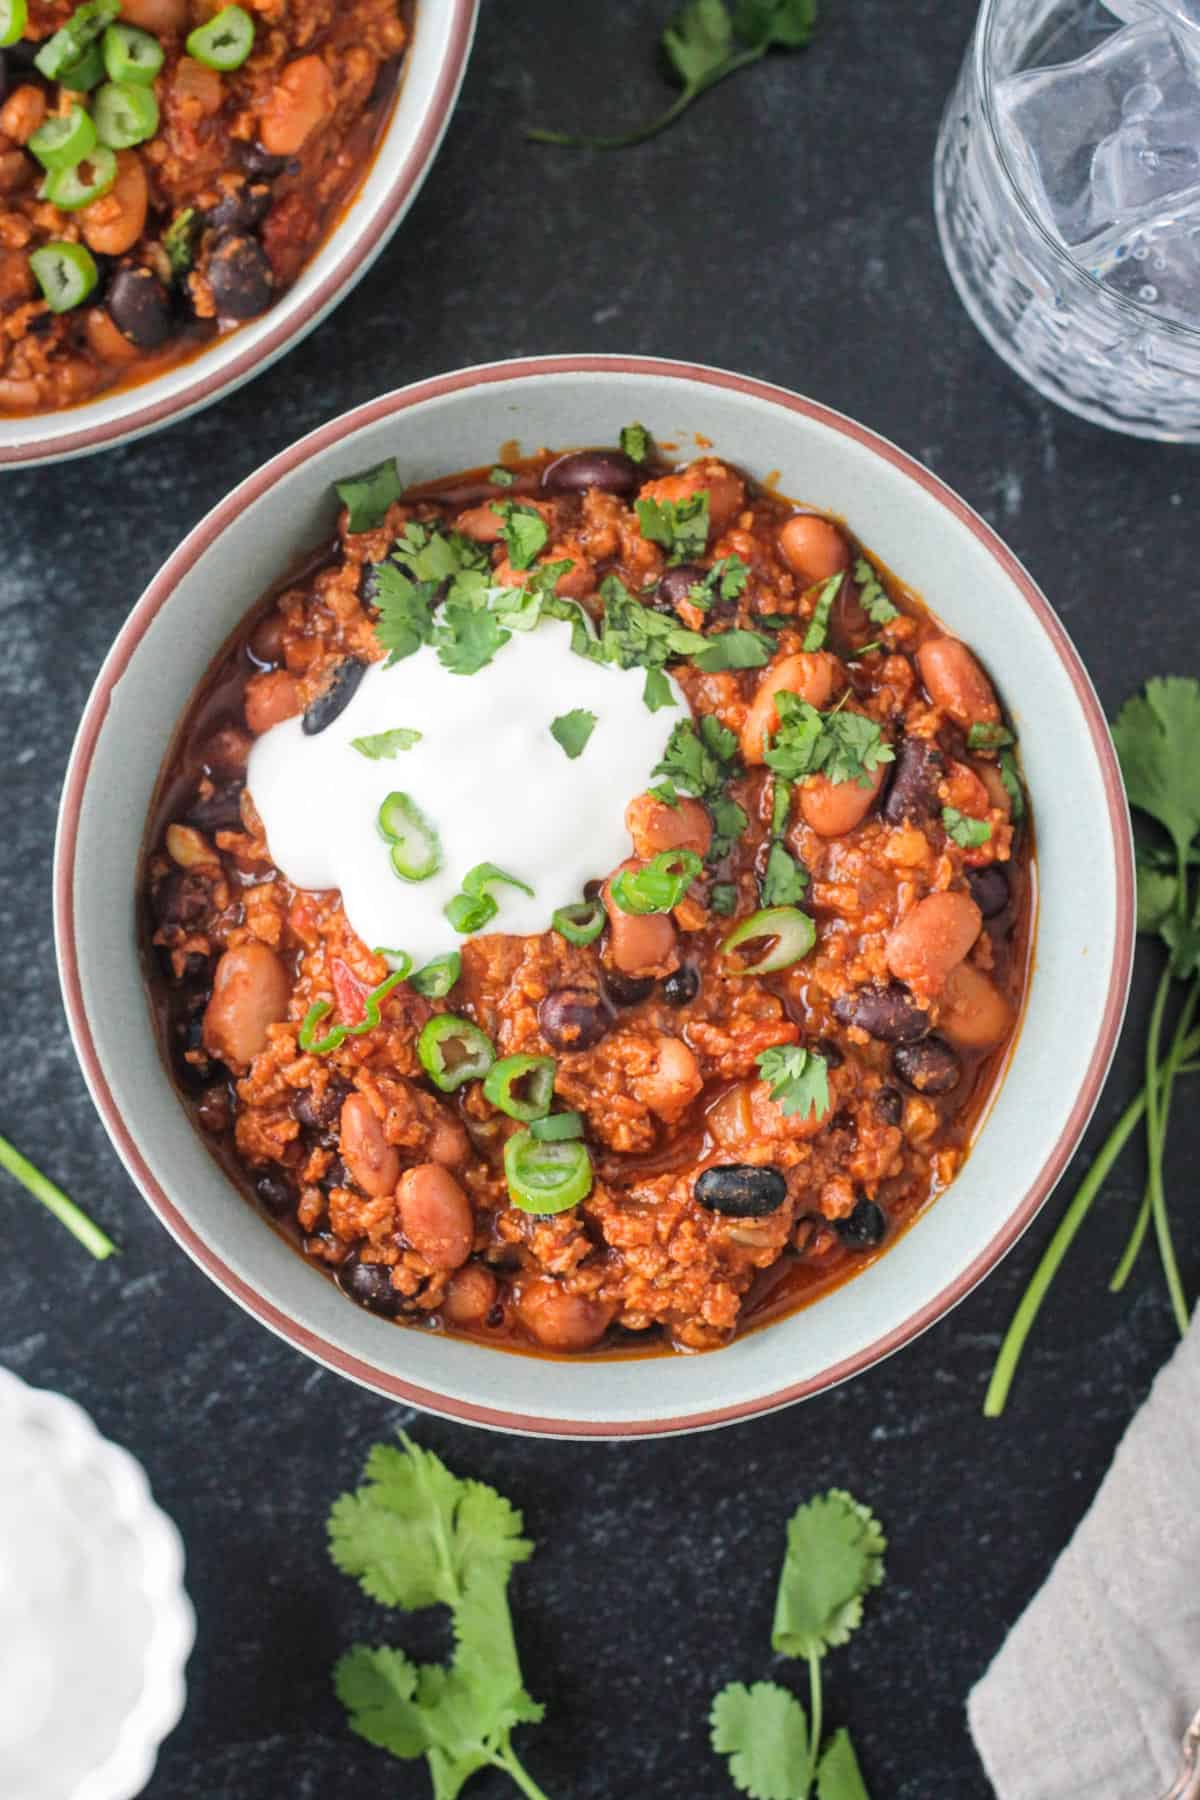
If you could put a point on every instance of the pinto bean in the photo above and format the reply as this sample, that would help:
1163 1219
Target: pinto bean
107 340
726 491
609 470
810 675
470 1296
560 1320
918 768
114 223
639 943
435 1215
480 524
22 113
673 1081
812 548
956 683
973 1014
654 826
832 808
270 699
296 105
250 993
888 1013
374 1164
932 938
163 17
448 1142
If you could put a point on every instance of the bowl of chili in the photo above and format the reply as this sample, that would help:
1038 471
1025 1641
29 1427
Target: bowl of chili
186 190
686 1131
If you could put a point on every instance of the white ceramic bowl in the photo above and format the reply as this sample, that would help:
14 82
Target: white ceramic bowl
920 529
122 1565
432 75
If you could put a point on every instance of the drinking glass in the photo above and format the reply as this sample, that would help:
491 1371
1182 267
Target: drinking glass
1067 193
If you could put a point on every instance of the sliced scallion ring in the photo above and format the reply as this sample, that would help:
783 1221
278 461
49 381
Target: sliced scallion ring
84 75
546 1177
521 1086
453 1050
659 884
66 274
63 141
581 922
225 42
62 54
14 15
792 931
130 54
73 189
398 961
125 113
558 1127
437 977
416 852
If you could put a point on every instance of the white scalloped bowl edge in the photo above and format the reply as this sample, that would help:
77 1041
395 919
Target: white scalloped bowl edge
126 1771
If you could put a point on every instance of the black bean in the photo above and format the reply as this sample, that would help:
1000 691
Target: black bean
337 1175
627 990
830 1052
889 1104
257 161
912 793
194 969
989 888
865 1227
320 1115
676 585
222 811
181 898
199 1072
741 1190
681 988
371 1285
276 1193
3 76
609 470
245 207
889 1013
574 1018
930 1067
339 691
139 307
240 277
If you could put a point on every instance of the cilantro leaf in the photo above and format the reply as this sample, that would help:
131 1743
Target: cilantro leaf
989 737
179 240
966 832
1011 778
1183 940
405 619
635 442
467 636
729 821
525 534
680 526
499 476
635 636
698 40
1156 734
843 746
383 745
657 691
781 805
785 22
431 554
573 729
735 650
726 579
723 897
698 762
838 1774
367 495
872 596
763 1731
1157 894
834 1558
785 881
799 1081
818 628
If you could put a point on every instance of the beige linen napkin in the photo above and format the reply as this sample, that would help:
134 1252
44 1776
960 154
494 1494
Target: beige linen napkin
1096 1684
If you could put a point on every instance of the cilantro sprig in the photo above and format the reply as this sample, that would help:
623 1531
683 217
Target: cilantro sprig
706 41
702 762
843 746
834 1559
798 1079
1157 737
414 1536
679 526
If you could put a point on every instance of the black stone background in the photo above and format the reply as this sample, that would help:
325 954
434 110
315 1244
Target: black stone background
783 228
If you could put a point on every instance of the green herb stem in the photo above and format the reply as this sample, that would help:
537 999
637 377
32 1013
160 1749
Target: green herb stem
508 1760
692 91
52 1197
1173 1066
816 1721
1155 1189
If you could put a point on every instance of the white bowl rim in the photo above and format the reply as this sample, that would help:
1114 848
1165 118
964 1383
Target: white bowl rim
214 374
357 1368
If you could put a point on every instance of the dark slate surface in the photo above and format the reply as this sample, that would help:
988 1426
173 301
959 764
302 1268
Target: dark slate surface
785 229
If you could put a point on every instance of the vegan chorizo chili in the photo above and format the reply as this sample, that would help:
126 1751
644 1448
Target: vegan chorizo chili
758 1042
167 168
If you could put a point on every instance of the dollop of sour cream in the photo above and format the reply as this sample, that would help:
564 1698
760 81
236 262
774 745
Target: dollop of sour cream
487 775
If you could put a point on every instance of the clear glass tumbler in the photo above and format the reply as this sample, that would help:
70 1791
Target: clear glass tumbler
1067 192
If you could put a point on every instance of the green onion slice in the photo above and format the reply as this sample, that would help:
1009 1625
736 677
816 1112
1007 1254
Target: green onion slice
659 884
546 1177
793 932
452 1050
125 114
398 961
319 1009
476 907
130 54
72 41
557 1127
85 74
73 189
521 1086
416 852
62 142
66 274
581 922
437 977
225 42
14 15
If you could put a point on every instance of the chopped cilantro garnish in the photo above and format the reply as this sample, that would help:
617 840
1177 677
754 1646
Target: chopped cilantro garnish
729 822
500 476
818 627
657 691
525 533
966 832
1011 778
179 240
467 634
386 744
573 729
405 619
431 554
698 762
872 597
842 746
989 737
635 636
726 579
680 526
798 1079
635 442
723 898
781 805
735 649
784 881
367 495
